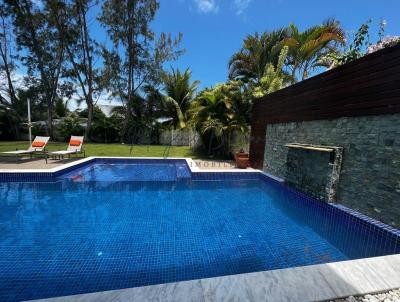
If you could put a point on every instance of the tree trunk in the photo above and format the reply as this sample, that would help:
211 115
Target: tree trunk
50 87
88 67
131 62
50 120
90 117
10 89
294 74
305 72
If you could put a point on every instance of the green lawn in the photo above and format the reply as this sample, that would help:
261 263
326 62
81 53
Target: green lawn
112 149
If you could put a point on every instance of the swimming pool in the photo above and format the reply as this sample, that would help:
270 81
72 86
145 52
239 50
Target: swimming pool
112 224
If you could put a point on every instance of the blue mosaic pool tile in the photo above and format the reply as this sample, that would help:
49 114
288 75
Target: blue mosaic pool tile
26 177
71 236
220 176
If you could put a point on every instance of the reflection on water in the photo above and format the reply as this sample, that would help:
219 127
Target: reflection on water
74 236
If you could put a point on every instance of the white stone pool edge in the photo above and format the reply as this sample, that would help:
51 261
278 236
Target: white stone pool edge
308 283
190 162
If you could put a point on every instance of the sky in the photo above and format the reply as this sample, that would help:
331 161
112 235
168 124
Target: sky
214 29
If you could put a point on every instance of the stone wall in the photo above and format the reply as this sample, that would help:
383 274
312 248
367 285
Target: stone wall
370 176
314 169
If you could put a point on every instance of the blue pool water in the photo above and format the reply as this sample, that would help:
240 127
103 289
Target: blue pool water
128 170
115 225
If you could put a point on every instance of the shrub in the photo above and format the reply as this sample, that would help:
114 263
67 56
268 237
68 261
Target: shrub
71 125
106 129
39 129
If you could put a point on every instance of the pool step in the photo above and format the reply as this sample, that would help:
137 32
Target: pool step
182 171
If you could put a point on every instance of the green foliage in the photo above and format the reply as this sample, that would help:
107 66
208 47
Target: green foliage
217 112
257 51
8 122
70 19
137 56
9 119
42 52
356 48
257 62
107 129
307 48
144 111
140 119
7 68
273 78
361 44
60 108
53 41
97 113
39 129
71 125
179 95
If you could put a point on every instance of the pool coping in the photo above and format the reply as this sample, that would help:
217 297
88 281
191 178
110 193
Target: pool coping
190 162
319 282
323 282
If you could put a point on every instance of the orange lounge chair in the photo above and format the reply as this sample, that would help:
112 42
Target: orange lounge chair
38 146
75 146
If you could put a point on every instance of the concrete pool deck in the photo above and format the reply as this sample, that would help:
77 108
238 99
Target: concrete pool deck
300 284
9 163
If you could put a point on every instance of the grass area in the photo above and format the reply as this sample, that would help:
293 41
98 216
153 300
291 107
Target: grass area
93 149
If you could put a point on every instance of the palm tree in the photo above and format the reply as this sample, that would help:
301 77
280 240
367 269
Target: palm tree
180 92
217 112
307 48
257 51
153 107
274 77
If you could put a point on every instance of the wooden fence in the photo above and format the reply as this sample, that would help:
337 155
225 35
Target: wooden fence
367 86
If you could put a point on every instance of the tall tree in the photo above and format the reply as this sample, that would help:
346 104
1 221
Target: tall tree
308 48
43 51
257 51
71 21
7 65
137 56
8 92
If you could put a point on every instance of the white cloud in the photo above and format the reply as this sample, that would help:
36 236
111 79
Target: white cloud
241 6
207 6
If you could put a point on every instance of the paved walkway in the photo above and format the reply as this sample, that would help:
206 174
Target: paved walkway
34 163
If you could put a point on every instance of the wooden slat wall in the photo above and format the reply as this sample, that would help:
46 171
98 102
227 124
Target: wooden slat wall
368 86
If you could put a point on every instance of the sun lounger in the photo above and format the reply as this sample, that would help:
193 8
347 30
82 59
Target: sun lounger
75 146
38 146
